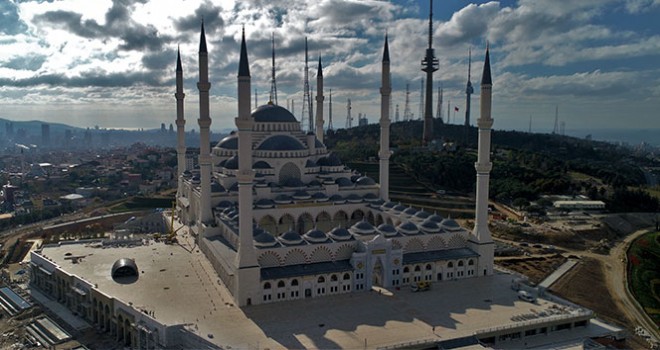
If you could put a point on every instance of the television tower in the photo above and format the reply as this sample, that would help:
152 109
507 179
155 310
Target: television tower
421 100
330 111
468 92
307 100
273 85
439 111
429 65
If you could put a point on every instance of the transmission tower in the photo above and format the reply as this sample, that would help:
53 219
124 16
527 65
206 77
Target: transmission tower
421 100
349 119
273 85
307 100
556 129
406 108
330 112
396 116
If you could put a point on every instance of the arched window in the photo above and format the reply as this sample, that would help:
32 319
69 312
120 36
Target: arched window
450 264
333 278
417 268
294 282
428 267
321 279
347 277
406 269
267 285
460 263
470 262
280 284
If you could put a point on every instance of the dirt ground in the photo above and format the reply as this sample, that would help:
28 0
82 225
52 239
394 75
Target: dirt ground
536 268
585 285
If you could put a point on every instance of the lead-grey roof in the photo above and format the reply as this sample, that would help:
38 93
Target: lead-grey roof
435 255
272 113
229 142
271 273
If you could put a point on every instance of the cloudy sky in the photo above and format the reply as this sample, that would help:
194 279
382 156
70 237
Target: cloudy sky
111 62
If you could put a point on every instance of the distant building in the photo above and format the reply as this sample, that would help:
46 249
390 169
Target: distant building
579 205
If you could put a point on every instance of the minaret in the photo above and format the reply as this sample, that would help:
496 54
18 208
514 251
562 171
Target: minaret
307 100
429 65
273 84
180 125
247 272
481 240
384 153
330 112
204 122
468 92
319 102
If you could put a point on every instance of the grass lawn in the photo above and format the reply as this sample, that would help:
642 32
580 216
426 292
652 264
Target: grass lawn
644 273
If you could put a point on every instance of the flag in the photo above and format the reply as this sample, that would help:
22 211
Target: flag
456 109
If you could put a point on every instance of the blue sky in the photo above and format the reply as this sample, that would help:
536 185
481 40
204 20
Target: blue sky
111 63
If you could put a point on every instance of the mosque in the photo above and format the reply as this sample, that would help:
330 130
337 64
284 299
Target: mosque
280 217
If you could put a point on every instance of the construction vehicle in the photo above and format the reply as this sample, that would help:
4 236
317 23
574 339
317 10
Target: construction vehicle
421 286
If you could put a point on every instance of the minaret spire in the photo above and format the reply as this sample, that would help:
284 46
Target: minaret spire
273 85
180 125
319 101
204 122
247 268
481 240
469 90
429 65
307 100
384 153
330 112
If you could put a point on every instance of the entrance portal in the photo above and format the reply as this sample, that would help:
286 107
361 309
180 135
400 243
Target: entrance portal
377 274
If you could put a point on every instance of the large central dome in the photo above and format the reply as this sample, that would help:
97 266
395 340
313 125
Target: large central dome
271 113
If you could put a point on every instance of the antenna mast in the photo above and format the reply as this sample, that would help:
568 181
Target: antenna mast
349 119
406 108
556 129
439 112
273 85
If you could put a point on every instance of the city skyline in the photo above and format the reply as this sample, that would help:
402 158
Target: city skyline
113 65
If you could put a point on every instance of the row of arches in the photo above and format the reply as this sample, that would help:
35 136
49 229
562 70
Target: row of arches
297 256
323 221
335 283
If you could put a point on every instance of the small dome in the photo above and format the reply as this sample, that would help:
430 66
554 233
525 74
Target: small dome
353 198
301 195
124 267
265 203
410 211
388 205
232 163
436 217
292 182
314 183
272 113
186 173
343 182
280 143
337 199
229 142
315 236
387 230
397 209
365 181
310 164
421 215
330 160
261 165
363 228
216 187
290 238
450 225
430 226
264 240
283 199
408 228
225 205
370 197
340 234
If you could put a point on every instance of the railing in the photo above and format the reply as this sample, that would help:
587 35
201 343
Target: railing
410 343
535 321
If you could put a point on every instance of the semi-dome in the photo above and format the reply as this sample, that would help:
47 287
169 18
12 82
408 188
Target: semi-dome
387 230
124 267
343 182
408 228
261 165
340 234
280 143
229 142
315 236
365 181
272 113
290 238
232 163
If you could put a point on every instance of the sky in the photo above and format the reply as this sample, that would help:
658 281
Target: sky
111 63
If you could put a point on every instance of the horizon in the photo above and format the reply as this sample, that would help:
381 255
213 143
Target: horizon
113 66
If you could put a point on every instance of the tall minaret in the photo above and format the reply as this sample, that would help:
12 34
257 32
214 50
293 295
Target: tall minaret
429 65
180 125
330 112
481 240
273 84
319 102
204 122
468 92
384 153
247 273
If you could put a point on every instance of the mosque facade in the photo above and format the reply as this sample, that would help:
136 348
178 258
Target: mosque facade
280 217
